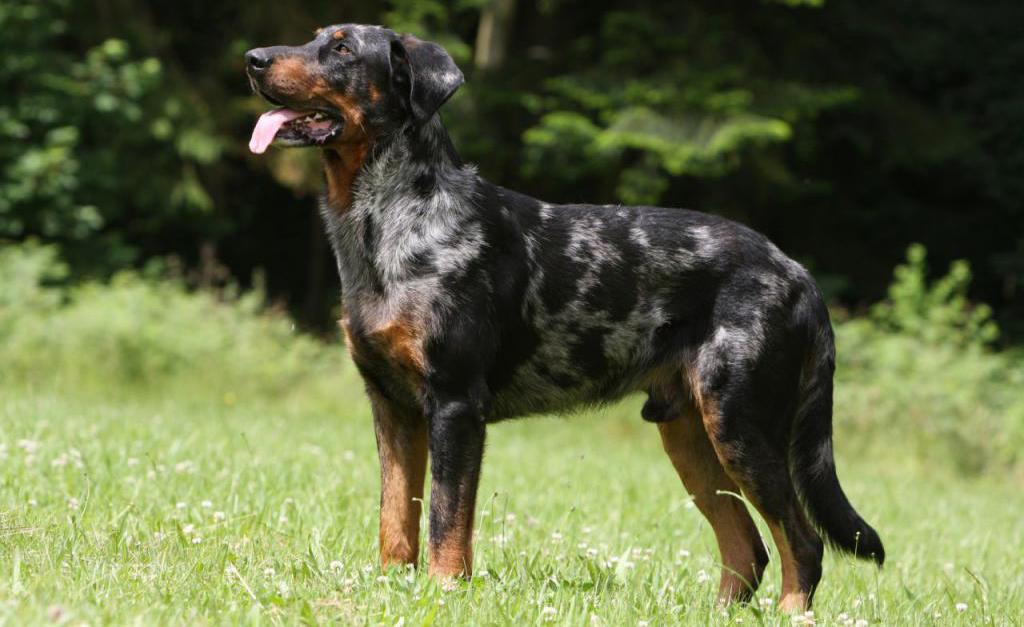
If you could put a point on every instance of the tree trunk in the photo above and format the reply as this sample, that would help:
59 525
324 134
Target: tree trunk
493 34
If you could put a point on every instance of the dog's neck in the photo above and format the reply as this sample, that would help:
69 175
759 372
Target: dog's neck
411 200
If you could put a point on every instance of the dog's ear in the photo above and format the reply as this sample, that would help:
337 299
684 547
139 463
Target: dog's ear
426 72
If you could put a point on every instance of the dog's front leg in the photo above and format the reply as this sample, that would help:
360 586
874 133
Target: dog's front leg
456 450
402 447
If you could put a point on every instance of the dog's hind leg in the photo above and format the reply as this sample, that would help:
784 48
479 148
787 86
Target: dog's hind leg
402 447
748 424
743 554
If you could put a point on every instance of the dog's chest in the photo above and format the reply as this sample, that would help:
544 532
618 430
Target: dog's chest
388 346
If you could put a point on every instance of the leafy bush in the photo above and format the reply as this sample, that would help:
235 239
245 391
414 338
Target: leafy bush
139 335
918 373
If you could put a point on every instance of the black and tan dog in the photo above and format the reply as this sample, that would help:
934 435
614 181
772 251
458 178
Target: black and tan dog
466 304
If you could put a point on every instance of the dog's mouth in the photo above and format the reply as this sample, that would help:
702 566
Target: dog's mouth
289 127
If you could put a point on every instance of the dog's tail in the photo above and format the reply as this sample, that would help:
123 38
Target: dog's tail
812 465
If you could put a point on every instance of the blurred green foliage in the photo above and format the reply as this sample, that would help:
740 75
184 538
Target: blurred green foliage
134 335
919 372
91 139
843 129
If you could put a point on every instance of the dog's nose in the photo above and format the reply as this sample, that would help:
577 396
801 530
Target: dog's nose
258 59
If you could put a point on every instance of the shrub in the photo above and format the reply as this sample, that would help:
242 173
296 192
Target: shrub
138 335
918 374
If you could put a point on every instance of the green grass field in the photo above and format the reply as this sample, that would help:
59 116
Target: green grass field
171 456
165 508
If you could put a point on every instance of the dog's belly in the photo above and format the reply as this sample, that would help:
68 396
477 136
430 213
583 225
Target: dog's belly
580 360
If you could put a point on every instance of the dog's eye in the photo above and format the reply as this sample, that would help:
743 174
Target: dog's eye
342 49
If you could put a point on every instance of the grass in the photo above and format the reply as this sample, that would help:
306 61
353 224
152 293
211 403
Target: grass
170 456
166 508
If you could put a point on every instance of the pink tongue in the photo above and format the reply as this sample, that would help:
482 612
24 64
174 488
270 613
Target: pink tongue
267 127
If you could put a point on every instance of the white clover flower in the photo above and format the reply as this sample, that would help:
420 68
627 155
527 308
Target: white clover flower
180 505
269 572
961 607
197 539
132 462
188 529
206 504
861 622
73 503
556 536
702 576
219 516
29 446
336 566
549 612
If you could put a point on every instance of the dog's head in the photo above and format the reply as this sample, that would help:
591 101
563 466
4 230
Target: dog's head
350 83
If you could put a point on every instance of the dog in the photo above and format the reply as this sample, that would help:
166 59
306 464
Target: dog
465 303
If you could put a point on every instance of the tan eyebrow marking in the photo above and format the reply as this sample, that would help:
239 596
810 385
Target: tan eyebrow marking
338 34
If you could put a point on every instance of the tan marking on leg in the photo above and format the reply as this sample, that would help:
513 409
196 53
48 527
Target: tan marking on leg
453 555
793 598
402 448
402 342
742 553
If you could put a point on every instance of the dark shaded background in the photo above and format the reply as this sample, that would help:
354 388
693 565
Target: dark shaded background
844 130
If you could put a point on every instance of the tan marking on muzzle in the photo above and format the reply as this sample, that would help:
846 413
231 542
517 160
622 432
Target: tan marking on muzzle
291 78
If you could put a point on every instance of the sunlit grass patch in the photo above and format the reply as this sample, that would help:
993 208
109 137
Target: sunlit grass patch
165 511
